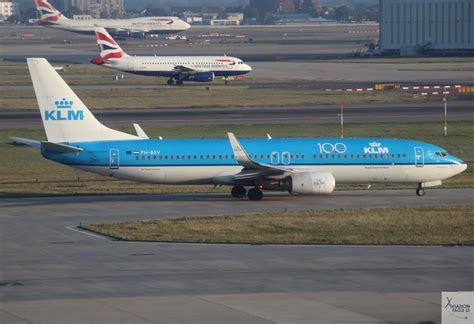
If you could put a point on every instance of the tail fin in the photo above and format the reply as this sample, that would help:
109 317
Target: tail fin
108 47
49 14
65 117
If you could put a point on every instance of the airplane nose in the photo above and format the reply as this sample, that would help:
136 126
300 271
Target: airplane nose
247 67
186 26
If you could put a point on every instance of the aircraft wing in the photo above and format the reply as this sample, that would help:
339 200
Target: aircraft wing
253 169
185 69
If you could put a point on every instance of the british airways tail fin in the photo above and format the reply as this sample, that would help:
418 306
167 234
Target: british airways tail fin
108 47
65 117
49 14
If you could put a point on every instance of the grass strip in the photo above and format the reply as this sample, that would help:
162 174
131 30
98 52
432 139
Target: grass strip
427 225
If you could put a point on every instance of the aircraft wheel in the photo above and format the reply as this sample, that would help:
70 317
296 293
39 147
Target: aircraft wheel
170 82
238 192
179 82
255 194
420 192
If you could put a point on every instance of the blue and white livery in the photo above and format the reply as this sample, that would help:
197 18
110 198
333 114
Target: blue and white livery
176 68
311 166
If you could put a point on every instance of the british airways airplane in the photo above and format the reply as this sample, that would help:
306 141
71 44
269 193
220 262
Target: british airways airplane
175 68
309 166
133 27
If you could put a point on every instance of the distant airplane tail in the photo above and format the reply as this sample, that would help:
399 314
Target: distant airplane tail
108 47
65 117
49 14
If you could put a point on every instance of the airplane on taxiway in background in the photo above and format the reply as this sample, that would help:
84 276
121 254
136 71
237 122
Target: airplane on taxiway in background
176 68
310 166
132 27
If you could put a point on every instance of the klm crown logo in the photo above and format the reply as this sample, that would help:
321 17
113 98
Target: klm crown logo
63 111
376 148
63 104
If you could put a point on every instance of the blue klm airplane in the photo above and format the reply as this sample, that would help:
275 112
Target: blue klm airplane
310 166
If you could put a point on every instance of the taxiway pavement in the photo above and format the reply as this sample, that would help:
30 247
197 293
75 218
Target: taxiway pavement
51 272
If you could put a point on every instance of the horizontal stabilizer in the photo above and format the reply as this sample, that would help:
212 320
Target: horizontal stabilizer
26 141
60 148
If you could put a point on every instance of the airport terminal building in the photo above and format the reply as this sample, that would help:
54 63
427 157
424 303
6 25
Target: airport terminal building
413 27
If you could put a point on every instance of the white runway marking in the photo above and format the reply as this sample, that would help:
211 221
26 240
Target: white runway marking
79 230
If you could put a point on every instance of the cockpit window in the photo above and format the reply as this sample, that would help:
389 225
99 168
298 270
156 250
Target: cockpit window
441 154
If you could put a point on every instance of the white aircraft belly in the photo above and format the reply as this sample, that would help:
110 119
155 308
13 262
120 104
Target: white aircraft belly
342 173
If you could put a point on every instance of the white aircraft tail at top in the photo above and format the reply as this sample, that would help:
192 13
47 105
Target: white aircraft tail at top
49 14
64 115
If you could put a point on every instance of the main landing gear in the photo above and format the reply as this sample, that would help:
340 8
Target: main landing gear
420 191
172 82
253 194
238 192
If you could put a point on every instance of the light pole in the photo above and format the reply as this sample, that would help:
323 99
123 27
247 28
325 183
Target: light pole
342 120
445 99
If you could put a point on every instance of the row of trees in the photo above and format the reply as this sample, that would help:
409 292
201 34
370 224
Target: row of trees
263 11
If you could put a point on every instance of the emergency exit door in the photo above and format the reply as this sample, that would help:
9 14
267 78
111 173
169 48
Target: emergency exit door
419 157
114 160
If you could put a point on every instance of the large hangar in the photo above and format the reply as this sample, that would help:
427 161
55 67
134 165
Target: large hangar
412 27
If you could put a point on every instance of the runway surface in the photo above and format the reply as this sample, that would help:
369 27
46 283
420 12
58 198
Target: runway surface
50 270
414 112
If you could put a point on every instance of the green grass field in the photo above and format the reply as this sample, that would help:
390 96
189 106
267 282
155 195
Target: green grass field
199 97
240 94
429 225
24 172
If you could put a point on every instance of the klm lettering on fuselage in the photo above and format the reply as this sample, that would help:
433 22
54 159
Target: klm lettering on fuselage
63 111
375 148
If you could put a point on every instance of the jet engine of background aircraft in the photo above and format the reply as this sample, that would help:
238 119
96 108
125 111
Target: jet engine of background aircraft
197 77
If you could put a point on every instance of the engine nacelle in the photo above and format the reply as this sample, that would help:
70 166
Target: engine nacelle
311 183
138 34
200 77
122 33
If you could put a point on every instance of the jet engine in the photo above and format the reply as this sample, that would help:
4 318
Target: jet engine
138 34
200 77
311 183
122 33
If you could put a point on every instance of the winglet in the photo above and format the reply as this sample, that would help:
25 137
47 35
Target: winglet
140 132
239 152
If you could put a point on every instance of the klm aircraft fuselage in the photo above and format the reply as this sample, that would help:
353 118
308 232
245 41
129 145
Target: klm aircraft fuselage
212 161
